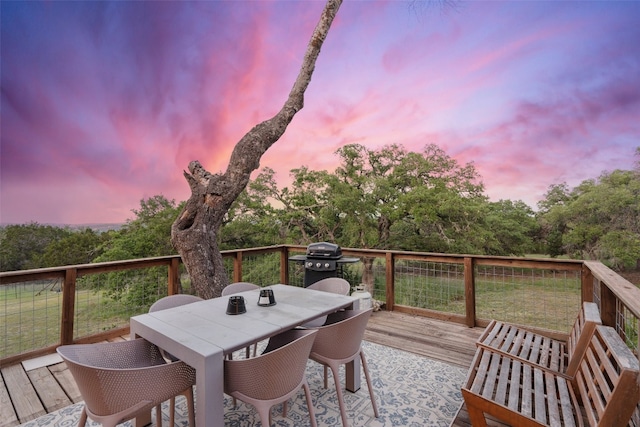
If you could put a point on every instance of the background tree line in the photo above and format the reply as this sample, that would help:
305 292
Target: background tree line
384 199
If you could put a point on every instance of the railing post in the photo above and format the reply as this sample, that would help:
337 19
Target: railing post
607 306
390 279
470 292
237 267
586 279
68 306
174 269
284 265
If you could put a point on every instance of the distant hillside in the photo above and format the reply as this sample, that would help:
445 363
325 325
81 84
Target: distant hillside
99 227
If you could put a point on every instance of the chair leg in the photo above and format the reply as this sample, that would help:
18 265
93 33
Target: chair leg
172 412
265 416
190 407
83 417
312 414
159 415
343 409
368 377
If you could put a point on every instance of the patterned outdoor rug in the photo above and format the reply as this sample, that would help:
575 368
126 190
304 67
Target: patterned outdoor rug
410 390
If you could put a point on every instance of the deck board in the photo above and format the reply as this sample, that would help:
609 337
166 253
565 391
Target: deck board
52 395
66 381
23 395
8 415
436 339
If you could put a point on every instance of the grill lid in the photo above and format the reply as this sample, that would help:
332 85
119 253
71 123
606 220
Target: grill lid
324 250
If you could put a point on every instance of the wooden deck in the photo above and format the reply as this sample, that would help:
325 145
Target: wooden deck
39 386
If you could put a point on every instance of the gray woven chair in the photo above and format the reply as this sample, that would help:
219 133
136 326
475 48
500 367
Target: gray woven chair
173 301
164 303
236 287
339 342
274 376
335 285
119 381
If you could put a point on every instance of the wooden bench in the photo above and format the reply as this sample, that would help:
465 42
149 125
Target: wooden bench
604 391
542 350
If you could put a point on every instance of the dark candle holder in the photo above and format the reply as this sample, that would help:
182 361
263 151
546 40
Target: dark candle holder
236 305
266 298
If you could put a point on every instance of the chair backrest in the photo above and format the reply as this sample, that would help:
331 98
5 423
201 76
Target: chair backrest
607 379
117 376
173 301
236 287
334 285
580 335
273 374
341 337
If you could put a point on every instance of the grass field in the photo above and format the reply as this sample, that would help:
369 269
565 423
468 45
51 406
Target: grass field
31 316
540 298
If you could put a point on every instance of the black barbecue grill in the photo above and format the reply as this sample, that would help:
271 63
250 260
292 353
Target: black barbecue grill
322 260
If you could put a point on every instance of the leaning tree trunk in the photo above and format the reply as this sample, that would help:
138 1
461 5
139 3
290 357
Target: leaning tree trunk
195 232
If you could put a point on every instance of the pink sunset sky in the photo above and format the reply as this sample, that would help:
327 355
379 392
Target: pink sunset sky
106 103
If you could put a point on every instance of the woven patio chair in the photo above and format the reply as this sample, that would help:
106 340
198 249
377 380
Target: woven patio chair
121 380
339 342
173 301
274 376
236 287
164 303
334 285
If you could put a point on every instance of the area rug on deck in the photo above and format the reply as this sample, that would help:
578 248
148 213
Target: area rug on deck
410 390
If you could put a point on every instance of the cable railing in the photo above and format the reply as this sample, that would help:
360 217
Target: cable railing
44 308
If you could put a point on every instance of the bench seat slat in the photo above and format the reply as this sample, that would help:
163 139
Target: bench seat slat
540 396
567 404
503 382
514 391
492 375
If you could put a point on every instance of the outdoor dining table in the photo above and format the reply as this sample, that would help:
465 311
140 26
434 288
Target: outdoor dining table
201 334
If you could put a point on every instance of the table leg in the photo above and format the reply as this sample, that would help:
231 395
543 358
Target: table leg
352 375
352 369
209 395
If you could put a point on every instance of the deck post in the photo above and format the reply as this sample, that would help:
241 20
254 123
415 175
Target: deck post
237 267
174 268
284 265
470 292
390 279
68 305
587 284
607 306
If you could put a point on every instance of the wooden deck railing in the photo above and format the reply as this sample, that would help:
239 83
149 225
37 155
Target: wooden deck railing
538 293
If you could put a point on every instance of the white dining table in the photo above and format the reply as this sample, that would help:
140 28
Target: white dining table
201 334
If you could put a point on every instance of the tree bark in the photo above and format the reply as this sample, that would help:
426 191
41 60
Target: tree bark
195 232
